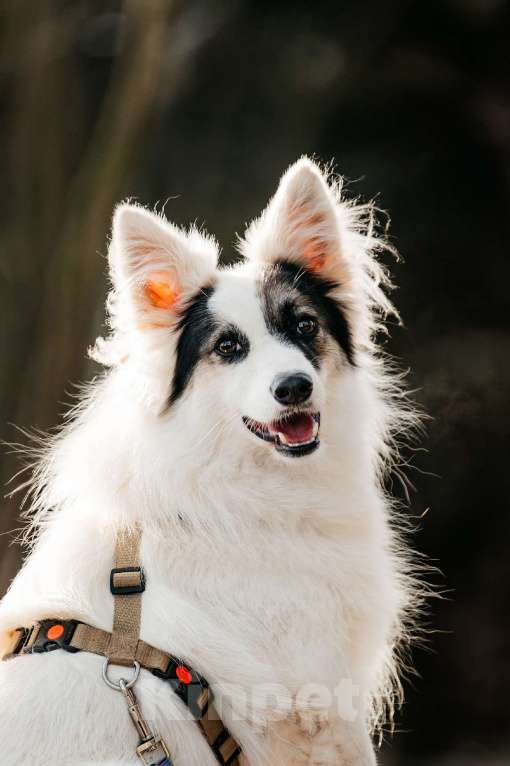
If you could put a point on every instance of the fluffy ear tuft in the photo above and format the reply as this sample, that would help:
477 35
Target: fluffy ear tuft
155 266
301 224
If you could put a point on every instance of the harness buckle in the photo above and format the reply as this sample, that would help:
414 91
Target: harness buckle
168 674
189 686
127 580
16 642
51 635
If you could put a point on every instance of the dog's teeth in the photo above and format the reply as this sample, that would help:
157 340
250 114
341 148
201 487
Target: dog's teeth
282 439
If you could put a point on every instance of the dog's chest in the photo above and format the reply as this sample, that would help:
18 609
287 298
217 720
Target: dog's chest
275 602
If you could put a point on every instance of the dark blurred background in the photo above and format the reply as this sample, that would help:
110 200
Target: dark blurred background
204 103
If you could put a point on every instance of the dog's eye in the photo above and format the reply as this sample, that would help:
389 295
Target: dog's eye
307 327
228 347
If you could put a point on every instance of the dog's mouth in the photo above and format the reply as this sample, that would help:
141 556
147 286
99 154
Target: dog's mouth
295 434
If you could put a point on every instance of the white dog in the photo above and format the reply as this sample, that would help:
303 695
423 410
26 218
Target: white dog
245 423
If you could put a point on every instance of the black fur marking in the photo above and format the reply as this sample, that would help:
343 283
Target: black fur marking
196 327
287 291
200 332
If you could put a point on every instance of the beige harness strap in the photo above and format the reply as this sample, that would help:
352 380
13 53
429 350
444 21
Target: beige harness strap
124 647
126 576
86 638
150 657
90 639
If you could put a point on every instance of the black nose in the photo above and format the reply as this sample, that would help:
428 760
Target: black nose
292 389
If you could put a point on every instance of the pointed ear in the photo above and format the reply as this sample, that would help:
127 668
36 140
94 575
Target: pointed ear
301 224
155 266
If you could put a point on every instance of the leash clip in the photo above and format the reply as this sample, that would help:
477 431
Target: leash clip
152 751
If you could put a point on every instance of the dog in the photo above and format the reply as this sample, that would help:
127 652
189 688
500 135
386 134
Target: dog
246 421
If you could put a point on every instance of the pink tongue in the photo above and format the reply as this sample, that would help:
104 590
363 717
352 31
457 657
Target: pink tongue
298 428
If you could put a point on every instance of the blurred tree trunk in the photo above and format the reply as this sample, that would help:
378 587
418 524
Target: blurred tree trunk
58 213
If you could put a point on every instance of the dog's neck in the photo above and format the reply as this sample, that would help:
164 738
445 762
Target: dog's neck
112 468
121 465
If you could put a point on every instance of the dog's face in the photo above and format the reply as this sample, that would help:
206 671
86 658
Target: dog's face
255 351
261 344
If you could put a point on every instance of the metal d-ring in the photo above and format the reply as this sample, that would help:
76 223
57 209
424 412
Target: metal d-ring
125 684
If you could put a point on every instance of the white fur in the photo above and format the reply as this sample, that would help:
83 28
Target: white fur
265 573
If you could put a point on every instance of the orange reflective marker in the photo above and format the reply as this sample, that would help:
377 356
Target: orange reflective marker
55 632
183 674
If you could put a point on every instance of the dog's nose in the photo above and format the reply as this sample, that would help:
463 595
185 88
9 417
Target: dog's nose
292 389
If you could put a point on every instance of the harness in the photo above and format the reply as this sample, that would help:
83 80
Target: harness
123 646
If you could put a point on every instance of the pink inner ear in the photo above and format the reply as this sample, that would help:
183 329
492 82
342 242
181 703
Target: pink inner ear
313 248
315 253
160 290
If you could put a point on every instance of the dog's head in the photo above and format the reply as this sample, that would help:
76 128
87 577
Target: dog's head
254 352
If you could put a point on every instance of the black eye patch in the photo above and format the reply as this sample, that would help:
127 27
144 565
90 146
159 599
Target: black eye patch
196 327
285 286
284 320
201 335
